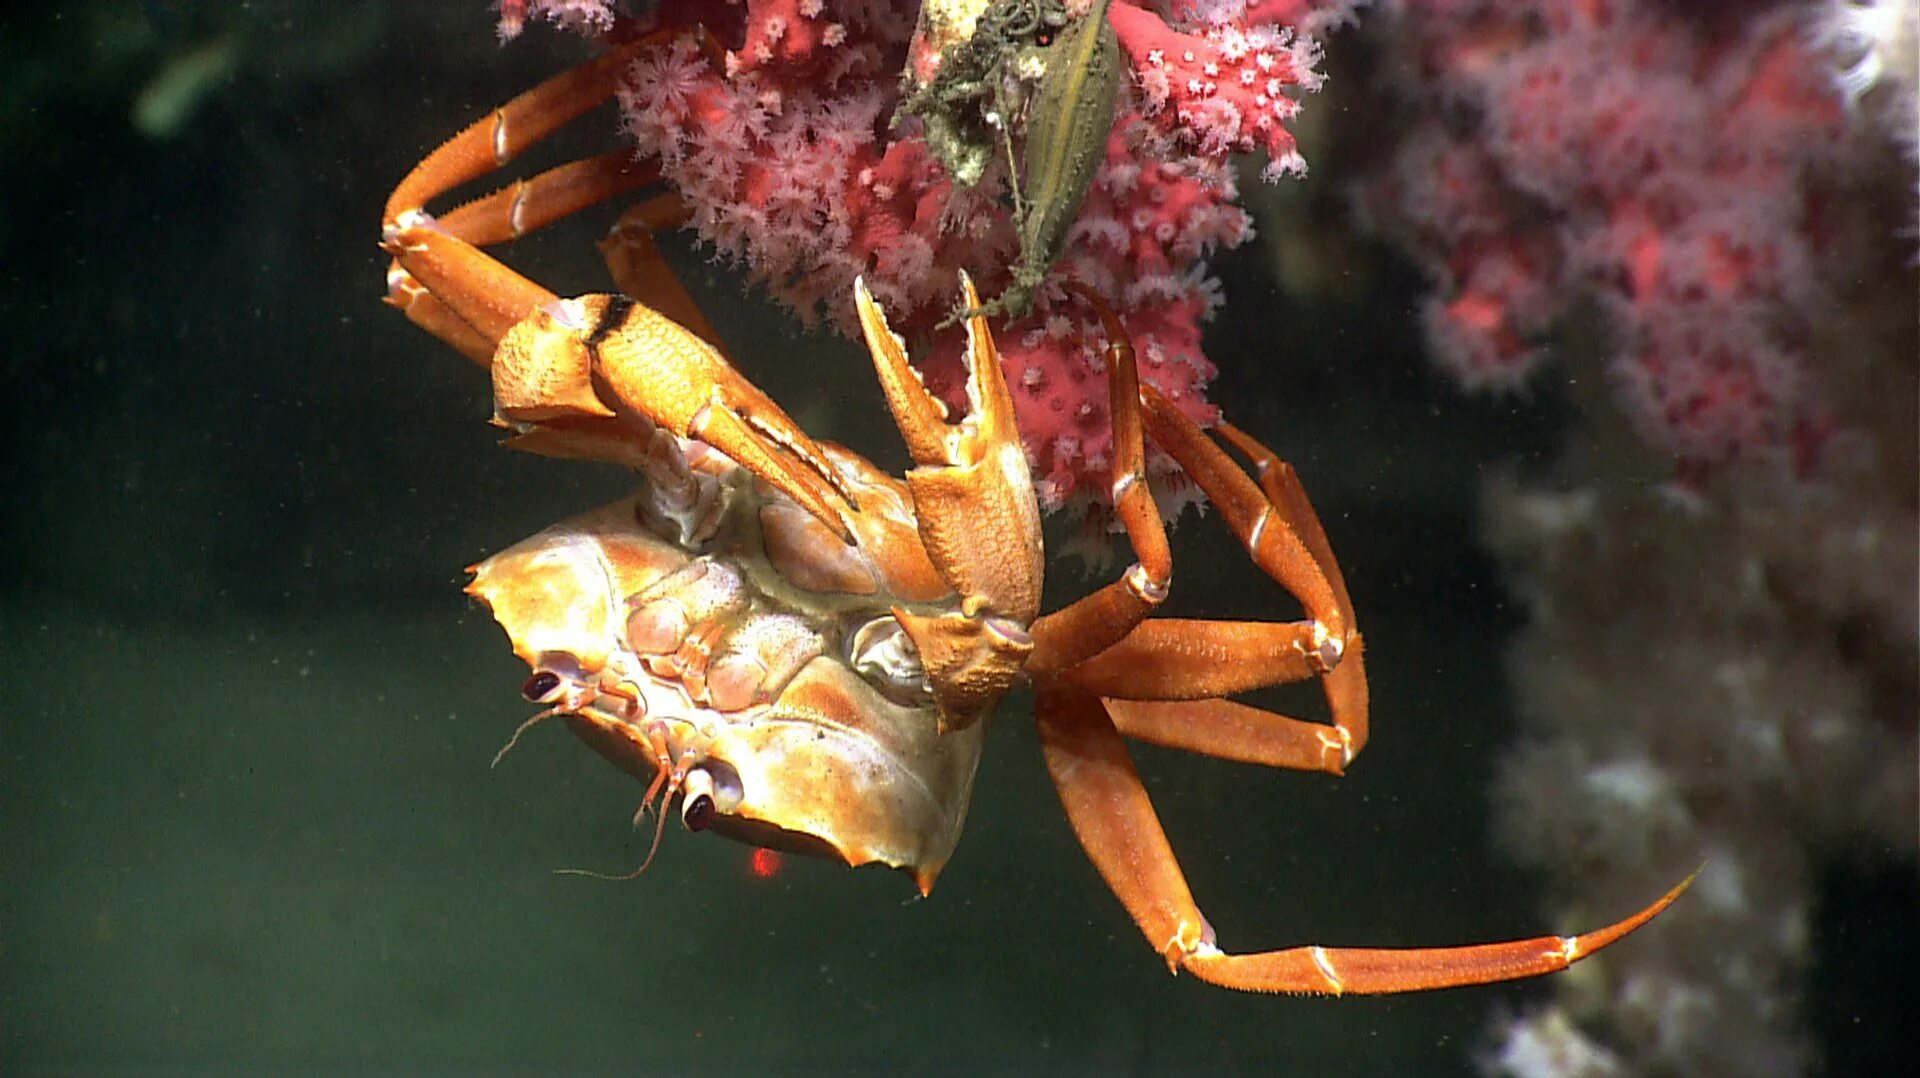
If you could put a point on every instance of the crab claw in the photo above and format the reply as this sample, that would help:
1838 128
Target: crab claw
598 356
973 496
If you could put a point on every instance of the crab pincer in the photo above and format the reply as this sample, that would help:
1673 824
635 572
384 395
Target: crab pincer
973 495
600 357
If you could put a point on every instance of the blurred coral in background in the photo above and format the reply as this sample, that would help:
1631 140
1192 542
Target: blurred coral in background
1712 202
1679 167
1731 683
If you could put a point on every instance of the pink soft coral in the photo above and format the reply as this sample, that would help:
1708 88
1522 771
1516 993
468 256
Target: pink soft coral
790 167
1216 82
1658 164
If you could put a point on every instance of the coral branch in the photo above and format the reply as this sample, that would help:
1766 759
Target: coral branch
792 166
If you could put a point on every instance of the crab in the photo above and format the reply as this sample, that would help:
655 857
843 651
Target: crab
803 649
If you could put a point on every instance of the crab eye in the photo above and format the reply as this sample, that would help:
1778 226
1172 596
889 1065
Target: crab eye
540 686
697 814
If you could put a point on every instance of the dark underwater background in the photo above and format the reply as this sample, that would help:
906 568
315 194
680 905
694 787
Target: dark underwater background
246 714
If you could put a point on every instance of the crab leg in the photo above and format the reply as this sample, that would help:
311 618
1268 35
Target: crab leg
1228 730
1096 622
427 311
1215 727
1283 535
493 140
462 282
638 270
632 257
1169 660
1169 673
553 360
529 205
1281 484
483 293
506 214
1275 533
1116 824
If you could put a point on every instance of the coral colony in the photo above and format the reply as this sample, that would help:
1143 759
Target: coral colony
1653 163
792 168
1675 174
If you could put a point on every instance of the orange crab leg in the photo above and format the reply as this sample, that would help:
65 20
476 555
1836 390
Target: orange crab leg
1281 484
485 294
497 138
471 286
1116 823
1228 730
1169 660
528 205
631 255
506 214
488 296
1096 622
555 359
638 270
1189 659
1274 532
427 311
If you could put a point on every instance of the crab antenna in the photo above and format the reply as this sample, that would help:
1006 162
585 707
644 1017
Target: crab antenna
659 823
674 785
591 874
515 739
659 828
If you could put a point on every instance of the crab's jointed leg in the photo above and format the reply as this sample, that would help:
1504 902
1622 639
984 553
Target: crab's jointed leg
1230 730
1163 682
1115 822
581 362
1174 660
1096 622
480 291
1283 535
1175 669
506 214
638 270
